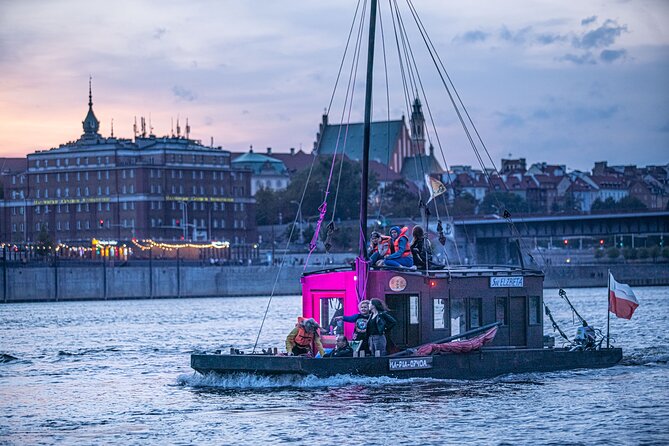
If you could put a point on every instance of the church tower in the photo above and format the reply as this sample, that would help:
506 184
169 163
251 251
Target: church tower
417 128
90 123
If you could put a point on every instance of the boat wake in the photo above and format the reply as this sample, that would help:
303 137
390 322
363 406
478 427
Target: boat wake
83 352
647 356
251 381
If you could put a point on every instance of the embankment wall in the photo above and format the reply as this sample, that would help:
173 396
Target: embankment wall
25 283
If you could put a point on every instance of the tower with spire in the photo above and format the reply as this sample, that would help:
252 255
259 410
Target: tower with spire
417 128
90 123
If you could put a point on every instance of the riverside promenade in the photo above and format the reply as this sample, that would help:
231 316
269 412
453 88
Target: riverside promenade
142 280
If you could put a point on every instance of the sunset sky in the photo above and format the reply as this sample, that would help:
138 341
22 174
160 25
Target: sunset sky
569 82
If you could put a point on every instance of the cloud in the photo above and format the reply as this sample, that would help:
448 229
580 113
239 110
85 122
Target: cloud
511 120
612 55
159 33
601 37
473 37
517 37
589 20
183 93
548 39
579 59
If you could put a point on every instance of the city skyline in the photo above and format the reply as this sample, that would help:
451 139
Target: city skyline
582 83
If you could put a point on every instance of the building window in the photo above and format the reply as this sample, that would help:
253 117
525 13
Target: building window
86 175
86 191
107 175
99 174
13 227
99 190
215 224
132 173
88 224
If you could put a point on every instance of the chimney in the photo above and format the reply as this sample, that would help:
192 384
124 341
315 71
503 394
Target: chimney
269 150
292 150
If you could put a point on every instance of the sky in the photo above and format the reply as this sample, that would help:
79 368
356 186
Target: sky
559 81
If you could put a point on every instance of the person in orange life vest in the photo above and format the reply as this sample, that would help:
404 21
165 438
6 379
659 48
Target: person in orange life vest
379 246
304 337
402 254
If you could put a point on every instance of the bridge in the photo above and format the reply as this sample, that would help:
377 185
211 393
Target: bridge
494 239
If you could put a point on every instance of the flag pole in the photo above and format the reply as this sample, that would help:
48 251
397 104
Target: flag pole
608 311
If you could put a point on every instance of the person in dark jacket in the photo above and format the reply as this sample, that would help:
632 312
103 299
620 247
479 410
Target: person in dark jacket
342 349
380 323
421 250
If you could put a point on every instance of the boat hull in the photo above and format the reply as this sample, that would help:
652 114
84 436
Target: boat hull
475 365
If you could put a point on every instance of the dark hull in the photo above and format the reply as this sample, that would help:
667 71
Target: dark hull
475 365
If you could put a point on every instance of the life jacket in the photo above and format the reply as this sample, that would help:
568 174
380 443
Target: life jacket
407 247
303 338
384 246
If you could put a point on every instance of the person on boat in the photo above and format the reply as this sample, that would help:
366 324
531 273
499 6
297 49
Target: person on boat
360 320
380 323
421 249
401 255
379 246
304 338
341 350
585 336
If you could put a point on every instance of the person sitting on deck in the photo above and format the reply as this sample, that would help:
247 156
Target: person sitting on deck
421 249
379 246
402 250
360 320
342 349
304 338
585 336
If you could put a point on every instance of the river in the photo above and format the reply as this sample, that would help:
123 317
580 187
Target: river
117 372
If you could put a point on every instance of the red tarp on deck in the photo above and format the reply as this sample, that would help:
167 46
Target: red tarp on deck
458 346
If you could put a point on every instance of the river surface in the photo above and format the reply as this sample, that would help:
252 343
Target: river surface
118 373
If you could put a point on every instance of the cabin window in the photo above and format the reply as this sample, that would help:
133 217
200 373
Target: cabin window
474 313
535 310
330 309
458 316
500 310
413 310
439 309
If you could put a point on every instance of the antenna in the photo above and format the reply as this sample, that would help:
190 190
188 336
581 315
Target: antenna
172 130
212 142
178 128
134 128
112 128
143 124
187 129
150 126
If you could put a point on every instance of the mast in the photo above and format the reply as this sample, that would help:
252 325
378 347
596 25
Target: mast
367 133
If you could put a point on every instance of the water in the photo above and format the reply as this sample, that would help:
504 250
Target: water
118 372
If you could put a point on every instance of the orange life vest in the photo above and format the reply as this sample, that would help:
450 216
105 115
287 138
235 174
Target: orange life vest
407 246
383 247
303 338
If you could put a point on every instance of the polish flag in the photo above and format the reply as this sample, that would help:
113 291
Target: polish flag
622 301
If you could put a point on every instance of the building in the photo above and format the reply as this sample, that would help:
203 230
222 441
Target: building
267 172
160 188
390 141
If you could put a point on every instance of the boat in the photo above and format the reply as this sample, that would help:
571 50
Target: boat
500 306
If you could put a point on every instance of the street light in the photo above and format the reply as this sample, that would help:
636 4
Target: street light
299 216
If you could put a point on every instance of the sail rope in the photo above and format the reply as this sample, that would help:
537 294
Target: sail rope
306 185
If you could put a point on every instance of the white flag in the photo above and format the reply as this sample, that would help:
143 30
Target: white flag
435 187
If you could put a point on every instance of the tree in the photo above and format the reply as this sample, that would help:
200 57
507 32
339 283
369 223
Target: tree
44 242
398 199
497 202
613 253
266 207
464 204
625 204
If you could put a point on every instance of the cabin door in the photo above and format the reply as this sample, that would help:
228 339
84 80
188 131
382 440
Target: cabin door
518 321
404 308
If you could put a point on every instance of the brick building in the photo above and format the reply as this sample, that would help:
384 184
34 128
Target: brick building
160 188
